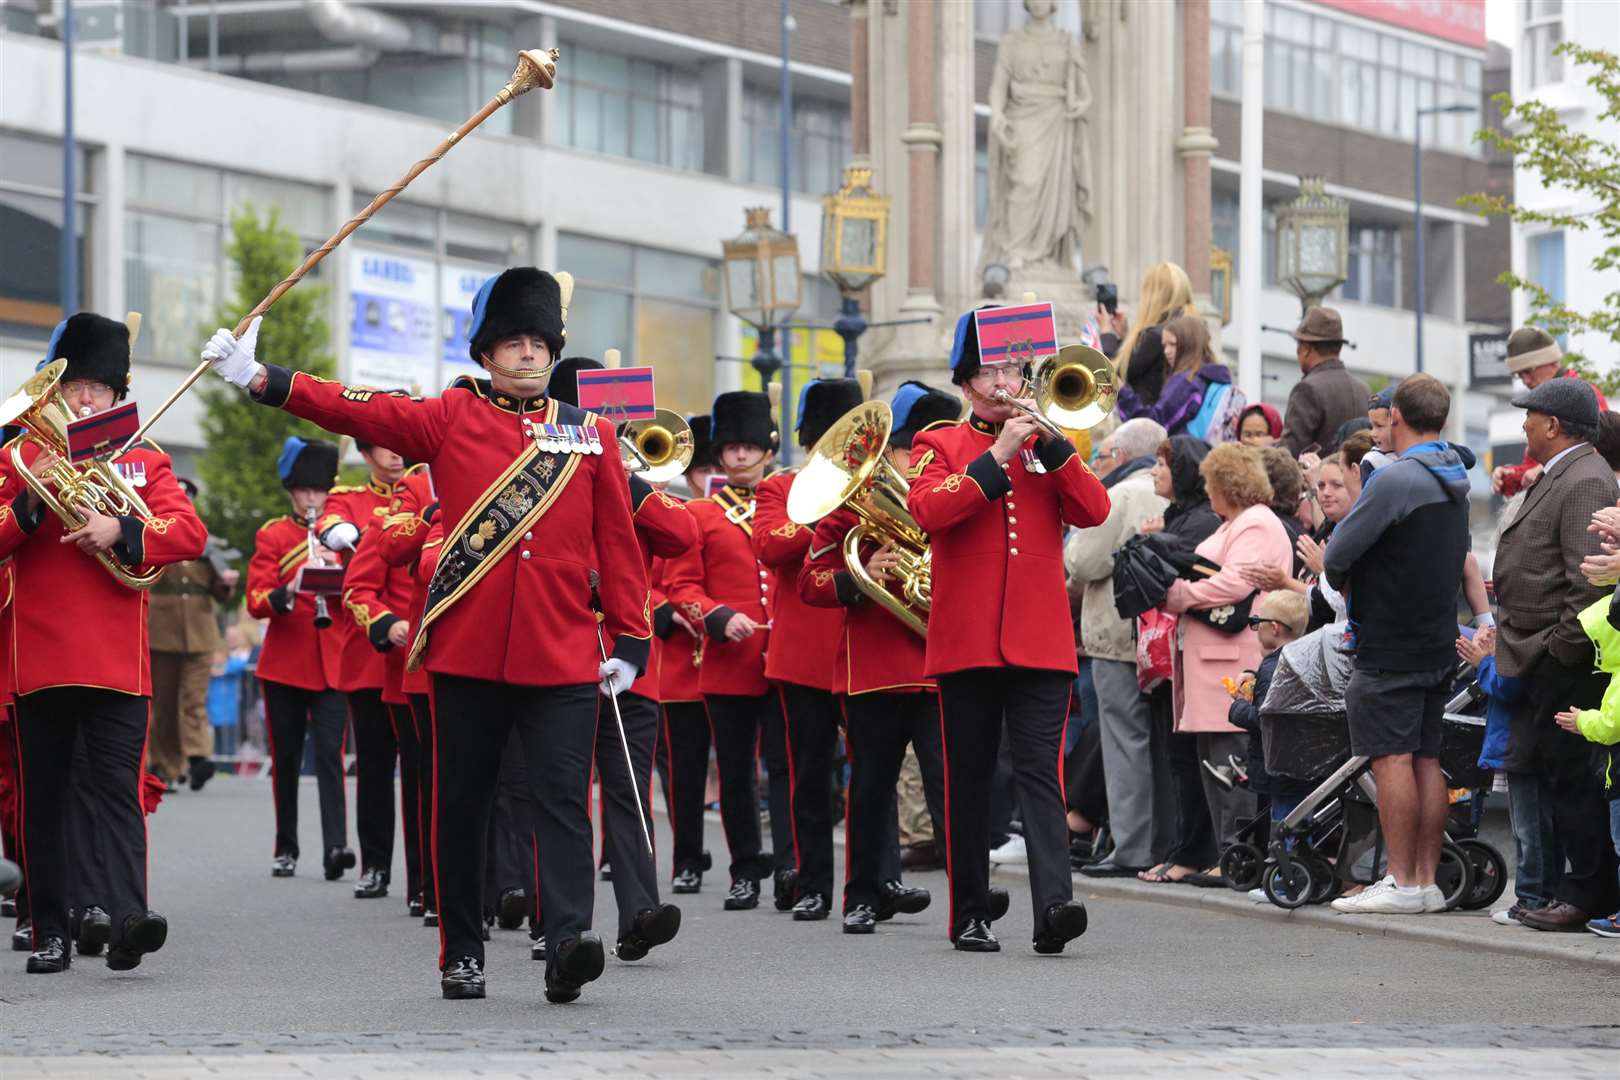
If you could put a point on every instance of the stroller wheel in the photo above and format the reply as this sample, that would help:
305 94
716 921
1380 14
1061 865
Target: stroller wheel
1490 874
1454 874
1242 866
1288 884
1324 880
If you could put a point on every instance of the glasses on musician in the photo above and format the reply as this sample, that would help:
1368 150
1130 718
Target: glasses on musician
78 388
992 374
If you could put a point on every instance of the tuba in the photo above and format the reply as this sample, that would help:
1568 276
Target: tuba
848 466
66 487
657 450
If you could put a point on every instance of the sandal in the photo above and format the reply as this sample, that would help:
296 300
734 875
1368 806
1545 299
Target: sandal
1154 875
1166 874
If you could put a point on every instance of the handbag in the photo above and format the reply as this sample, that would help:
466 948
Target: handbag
1142 576
1227 618
1155 649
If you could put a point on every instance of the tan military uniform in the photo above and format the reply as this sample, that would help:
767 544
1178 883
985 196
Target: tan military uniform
184 636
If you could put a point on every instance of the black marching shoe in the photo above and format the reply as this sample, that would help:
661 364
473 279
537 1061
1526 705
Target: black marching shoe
649 929
430 917
786 885
95 930
283 866
1064 923
860 919
414 908
338 860
373 885
51 957
143 933
744 895
201 771
462 979
812 907
686 882
537 948
22 938
897 899
977 936
1000 899
8 906
511 909
579 961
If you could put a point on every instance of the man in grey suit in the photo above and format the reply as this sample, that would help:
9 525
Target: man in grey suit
1540 593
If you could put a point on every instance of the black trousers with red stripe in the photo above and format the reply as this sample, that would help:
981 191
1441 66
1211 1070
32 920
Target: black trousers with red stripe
113 726
812 717
375 753
635 876
473 719
410 795
511 862
422 717
292 714
744 728
683 766
1033 706
880 726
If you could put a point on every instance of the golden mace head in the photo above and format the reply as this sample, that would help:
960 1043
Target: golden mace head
534 69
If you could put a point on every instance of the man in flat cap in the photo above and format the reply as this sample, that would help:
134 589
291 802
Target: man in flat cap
1534 357
1328 395
1540 593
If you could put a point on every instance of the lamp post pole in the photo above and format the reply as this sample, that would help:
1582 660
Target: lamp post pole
70 184
1417 216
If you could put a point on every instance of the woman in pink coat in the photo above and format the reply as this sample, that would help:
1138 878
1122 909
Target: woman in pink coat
1250 535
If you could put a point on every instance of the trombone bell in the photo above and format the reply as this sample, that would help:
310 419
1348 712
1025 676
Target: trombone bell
657 450
1075 388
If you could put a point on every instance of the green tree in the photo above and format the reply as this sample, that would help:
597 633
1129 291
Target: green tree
240 489
1584 166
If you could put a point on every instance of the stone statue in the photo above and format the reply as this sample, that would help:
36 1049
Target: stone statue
1040 167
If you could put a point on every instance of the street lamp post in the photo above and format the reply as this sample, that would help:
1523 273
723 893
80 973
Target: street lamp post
854 244
1417 209
1313 238
762 283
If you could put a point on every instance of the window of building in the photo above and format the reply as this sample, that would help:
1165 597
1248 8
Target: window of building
1544 261
993 18
31 222
1225 208
629 107
822 143
1543 32
656 307
1374 265
1329 70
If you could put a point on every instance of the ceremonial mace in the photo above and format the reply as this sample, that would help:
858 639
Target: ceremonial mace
624 742
534 68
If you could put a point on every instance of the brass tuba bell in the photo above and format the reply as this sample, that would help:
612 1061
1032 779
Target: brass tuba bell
849 466
1075 388
657 450
65 487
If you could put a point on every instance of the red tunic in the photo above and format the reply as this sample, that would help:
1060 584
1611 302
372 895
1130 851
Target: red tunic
716 578
74 624
663 528
997 538
365 506
375 597
528 620
680 655
294 651
876 651
410 541
807 637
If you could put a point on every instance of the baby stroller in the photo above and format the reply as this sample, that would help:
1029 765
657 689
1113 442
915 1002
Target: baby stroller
1331 838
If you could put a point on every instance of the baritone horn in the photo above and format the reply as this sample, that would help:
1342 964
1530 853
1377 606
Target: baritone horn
70 489
657 450
849 466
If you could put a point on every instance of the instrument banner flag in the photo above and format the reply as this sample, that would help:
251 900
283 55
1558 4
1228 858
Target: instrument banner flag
95 436
319 580
1022 334
618 394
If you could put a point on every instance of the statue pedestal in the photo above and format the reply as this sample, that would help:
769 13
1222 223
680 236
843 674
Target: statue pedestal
1071 299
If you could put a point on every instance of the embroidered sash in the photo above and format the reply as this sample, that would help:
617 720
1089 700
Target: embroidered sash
506 510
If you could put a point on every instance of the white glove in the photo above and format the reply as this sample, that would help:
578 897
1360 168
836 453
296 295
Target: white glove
232 357
341 537
617 675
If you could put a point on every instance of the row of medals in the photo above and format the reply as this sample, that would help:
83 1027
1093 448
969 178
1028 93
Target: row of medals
563 438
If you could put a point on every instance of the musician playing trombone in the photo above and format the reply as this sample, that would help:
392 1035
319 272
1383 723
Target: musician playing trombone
534 499
79 642
994 492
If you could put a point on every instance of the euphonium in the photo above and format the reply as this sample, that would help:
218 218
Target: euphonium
849 466
66 488
657 450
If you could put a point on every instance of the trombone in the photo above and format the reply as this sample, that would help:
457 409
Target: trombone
657 450
1074 389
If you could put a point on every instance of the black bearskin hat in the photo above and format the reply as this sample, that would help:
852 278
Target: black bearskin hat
916 405
522 300
702 448
95 348
743 416
821 403
311 463
564 384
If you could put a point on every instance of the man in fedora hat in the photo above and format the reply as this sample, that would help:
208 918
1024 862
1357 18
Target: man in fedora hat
1534 357
1328 395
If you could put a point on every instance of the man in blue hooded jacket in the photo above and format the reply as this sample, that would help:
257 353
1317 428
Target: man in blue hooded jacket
1398 556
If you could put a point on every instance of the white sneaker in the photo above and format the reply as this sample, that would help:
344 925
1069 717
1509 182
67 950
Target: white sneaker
1434 901
1013 851
1260 895
1508 916
1381 898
